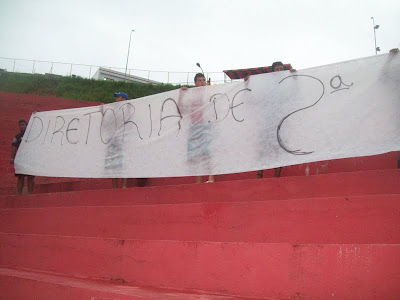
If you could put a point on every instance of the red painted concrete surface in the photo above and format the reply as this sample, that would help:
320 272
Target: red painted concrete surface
358 219
18 284
278 271
326 185
55 185
325 230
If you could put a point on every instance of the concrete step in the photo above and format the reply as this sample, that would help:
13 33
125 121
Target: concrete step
276 271
378 182
350 220
56 185
24 285
376 162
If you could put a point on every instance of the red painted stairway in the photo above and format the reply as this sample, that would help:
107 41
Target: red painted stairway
326 230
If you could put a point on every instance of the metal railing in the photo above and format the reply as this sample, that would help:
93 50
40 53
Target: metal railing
88 71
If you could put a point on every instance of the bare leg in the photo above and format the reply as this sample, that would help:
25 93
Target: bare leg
210 179
260 174
31 184
115 183
199 179
20 184
124 183
278 172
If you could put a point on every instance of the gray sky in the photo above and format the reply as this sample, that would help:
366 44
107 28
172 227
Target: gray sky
173 35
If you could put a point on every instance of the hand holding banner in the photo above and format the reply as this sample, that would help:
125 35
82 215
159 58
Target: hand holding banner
341 110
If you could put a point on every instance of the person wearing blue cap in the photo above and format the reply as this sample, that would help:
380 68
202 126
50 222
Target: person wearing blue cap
115 152
120 96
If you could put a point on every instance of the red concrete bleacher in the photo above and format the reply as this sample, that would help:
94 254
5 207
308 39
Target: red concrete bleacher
14 107
323 230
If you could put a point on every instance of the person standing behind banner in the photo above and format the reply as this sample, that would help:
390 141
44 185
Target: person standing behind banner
14 149
114 153
276 67
199 136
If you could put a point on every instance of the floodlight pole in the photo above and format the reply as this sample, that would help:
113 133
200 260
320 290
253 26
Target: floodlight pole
209 79
198 64
129 47
375 27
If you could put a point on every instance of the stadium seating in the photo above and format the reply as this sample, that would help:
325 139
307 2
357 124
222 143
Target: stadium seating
324 230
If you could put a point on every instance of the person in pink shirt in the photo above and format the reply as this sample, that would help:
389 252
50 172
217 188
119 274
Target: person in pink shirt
199 137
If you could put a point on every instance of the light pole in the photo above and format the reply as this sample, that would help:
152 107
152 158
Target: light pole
198 64
209 79
127 57
375 28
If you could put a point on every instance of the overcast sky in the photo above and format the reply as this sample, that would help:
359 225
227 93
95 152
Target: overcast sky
173 35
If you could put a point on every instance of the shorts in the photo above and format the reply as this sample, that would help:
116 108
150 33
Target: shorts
199 142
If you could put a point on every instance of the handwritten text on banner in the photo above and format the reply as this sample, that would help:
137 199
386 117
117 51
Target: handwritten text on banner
341 110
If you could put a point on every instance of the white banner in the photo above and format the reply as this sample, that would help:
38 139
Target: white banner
341 110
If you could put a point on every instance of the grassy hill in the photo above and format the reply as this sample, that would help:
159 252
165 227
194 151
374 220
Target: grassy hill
76 87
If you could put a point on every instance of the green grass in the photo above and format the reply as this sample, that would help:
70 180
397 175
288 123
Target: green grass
76 87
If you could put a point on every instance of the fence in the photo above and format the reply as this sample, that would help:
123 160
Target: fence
87 71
